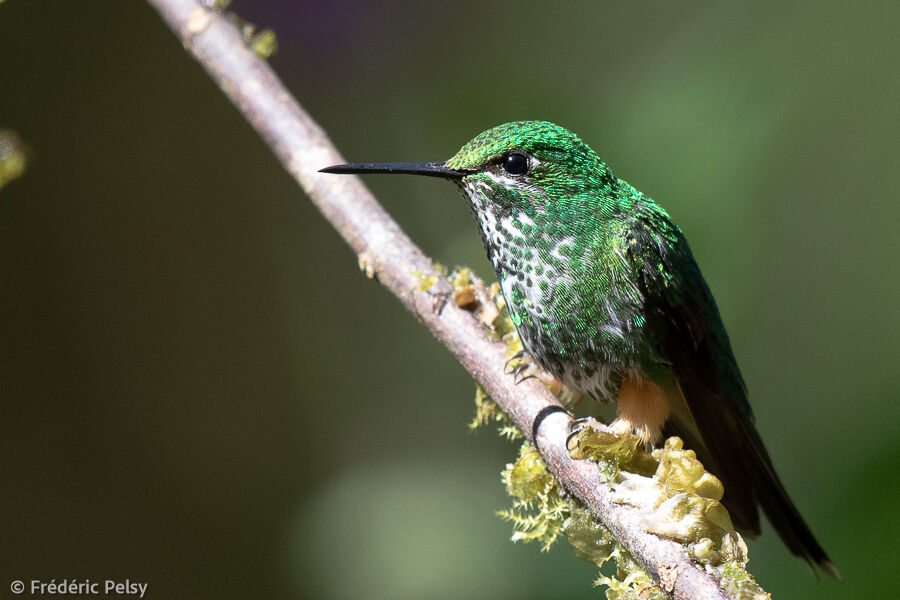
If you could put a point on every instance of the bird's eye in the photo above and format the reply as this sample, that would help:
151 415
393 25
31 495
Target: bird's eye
515 163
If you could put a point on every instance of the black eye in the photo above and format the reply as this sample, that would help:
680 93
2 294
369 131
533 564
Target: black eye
515 163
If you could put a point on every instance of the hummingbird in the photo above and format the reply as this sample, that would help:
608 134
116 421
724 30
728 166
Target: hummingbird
607 297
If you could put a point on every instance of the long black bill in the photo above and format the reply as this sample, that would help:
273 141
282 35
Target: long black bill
430 169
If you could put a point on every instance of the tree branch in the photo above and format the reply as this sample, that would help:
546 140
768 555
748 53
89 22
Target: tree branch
303 148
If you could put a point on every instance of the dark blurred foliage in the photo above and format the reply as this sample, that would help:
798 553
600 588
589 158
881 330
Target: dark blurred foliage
201 391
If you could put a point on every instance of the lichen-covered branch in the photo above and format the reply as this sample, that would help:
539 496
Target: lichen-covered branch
387 254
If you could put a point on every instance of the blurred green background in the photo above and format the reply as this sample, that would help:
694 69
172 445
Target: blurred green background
200 390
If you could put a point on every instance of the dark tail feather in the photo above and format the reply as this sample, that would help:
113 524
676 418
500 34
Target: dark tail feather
691 338
779 508
733 451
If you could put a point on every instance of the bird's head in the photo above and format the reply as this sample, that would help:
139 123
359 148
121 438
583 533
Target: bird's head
533 168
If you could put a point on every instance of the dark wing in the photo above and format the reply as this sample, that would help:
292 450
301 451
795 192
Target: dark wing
689 335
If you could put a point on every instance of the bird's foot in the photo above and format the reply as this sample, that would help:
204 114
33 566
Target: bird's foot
520 366
579 425
515 363
529 370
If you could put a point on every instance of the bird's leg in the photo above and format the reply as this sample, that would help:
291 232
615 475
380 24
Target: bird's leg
642 408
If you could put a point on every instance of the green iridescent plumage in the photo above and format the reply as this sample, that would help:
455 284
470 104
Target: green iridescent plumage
564 240
602 287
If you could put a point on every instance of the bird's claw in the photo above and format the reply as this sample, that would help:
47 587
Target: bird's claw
580 422
577 426
525 378
518 356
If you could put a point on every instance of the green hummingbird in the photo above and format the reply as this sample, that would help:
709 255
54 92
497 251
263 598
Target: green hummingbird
606 295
